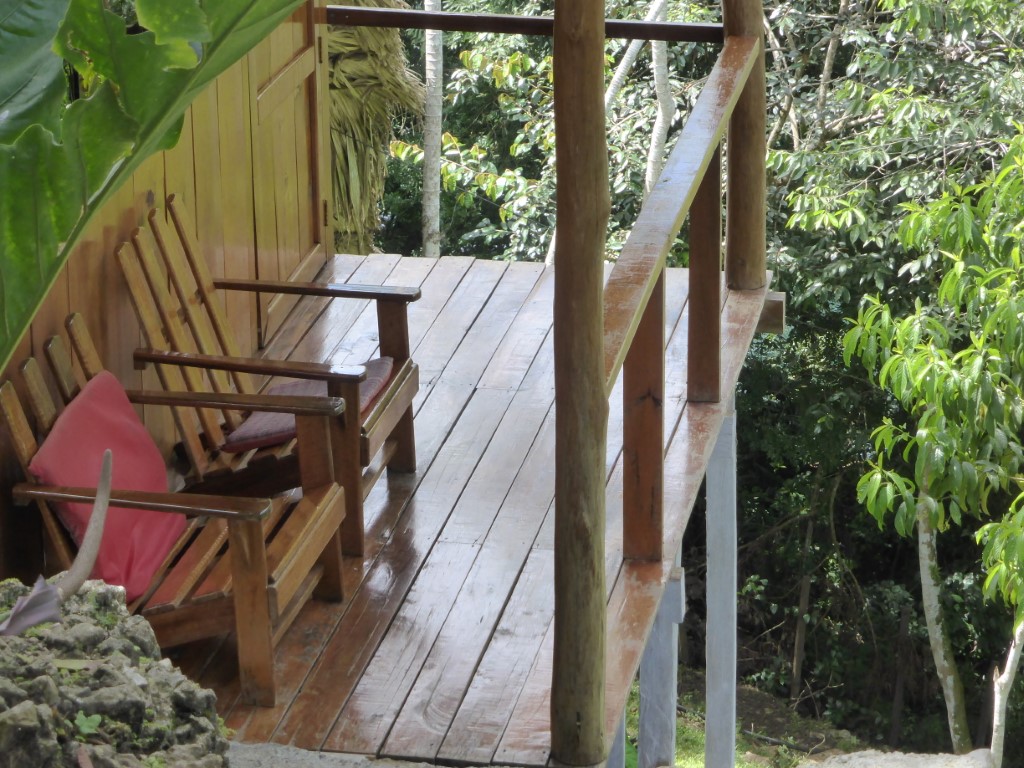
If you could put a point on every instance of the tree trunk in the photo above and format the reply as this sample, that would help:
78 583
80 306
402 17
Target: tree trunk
666 109
432 132
581 411
612 91
796 681
1001 686
938 635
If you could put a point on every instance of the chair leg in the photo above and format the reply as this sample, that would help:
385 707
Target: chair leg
330 587
348 471
404 458
252 612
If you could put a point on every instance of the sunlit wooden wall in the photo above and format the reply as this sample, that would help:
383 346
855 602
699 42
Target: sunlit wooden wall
251 167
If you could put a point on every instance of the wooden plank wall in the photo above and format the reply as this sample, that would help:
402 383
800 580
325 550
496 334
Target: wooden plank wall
247 216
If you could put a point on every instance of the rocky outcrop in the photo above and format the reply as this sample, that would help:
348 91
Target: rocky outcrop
93 690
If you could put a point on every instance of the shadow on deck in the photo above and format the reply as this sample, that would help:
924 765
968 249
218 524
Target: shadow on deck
442 650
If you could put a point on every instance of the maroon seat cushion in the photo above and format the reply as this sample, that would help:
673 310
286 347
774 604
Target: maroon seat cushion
263 429
135 542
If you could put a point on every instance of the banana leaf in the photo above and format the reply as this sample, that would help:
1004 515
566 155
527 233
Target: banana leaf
58 164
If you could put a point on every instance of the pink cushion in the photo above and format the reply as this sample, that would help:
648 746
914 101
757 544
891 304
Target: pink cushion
135 542
263 429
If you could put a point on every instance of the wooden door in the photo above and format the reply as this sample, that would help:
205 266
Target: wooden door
291 179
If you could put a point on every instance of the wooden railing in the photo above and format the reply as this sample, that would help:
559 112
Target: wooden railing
634 320
733 100
542 26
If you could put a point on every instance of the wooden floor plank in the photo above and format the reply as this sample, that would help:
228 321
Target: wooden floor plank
520 345
456 318
480 500
436 290
512 525
361 342
379 599
369 713
334 322
338 269
487 706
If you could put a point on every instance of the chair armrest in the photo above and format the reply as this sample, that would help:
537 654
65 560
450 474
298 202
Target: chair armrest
283 368
300 405
334 290
192 505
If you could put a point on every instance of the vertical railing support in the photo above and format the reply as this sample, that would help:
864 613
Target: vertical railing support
643 433
659 669
704 344
720 744
581 411
745 242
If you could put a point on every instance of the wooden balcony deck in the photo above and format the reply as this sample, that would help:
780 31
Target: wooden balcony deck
442 650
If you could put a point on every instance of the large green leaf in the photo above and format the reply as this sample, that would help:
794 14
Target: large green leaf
59 166
32 81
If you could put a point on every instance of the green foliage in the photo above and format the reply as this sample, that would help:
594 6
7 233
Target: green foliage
87 725
498 173
60 164
884 117
370 86
954 367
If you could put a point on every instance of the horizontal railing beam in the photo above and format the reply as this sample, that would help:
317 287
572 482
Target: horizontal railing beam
643 256
542 26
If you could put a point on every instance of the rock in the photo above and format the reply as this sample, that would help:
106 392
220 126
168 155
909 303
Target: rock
96 683
27 737
980 758
43 690
10 693
123 703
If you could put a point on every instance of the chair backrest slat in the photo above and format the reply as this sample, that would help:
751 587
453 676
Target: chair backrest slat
81 342
43 408
62 369
163 329
216 331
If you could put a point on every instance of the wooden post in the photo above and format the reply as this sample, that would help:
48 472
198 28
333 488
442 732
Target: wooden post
704 346
643 434
581 422
745 241
720 743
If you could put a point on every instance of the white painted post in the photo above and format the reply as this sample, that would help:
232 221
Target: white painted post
617 756
659 668
720 733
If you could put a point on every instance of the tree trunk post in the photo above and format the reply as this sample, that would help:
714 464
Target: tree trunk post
432 133
746 186
578 675
720 744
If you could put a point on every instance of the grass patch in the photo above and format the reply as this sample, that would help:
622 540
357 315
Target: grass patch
690 742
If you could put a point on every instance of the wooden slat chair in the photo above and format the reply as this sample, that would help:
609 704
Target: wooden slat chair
191 342
243 563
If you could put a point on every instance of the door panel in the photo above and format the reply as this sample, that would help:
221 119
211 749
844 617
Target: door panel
288 81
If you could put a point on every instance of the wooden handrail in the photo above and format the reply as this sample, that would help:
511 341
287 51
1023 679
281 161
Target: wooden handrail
542 26
642 259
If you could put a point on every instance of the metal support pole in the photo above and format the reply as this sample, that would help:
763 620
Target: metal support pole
659 668
720 745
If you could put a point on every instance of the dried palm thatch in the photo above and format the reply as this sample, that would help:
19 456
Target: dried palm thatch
370 85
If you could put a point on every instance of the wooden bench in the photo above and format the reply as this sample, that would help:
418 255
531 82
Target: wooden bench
243 563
